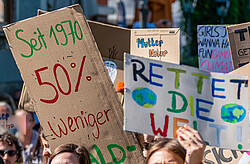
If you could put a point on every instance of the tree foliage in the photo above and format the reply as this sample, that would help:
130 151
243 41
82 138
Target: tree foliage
205 14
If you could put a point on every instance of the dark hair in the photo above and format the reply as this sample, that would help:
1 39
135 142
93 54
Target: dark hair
1 160
167 144
10 139
41 138
80 151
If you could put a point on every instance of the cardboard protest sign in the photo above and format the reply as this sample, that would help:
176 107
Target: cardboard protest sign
160 97
119 40
7 121
65 76
213 49
221 156
116 42
239 41
159 44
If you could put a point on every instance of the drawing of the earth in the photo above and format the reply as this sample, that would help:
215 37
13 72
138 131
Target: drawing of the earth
144 97
233 113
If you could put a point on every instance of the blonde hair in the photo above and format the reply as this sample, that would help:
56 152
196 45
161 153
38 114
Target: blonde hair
2 103
80 151
169 145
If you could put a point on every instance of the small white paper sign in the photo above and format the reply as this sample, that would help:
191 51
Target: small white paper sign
160 97
213 48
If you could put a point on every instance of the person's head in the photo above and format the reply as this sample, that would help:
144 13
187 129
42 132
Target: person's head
165 151
5 108
70 154
45 148
27 121
10 150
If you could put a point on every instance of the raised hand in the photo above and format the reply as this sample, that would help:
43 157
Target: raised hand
191 140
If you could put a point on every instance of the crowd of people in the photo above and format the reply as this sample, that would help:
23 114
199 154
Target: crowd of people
27 144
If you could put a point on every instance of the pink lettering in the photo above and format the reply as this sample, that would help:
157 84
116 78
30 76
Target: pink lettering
203 64
221 54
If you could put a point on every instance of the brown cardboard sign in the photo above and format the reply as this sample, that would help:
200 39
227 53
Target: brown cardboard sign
116 42
65 76
239 40
221 156
160 44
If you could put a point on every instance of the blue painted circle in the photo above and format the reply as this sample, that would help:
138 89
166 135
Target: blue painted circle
144 97
233 113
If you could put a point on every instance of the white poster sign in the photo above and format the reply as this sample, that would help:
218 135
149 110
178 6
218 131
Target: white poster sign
160 97
213 49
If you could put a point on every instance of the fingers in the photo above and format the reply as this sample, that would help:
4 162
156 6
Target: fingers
183 142
191 140
187 137
195 132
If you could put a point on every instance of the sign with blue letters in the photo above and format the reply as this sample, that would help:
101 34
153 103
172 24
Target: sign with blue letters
160 97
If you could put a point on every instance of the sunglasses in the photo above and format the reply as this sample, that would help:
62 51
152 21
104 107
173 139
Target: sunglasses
9 152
